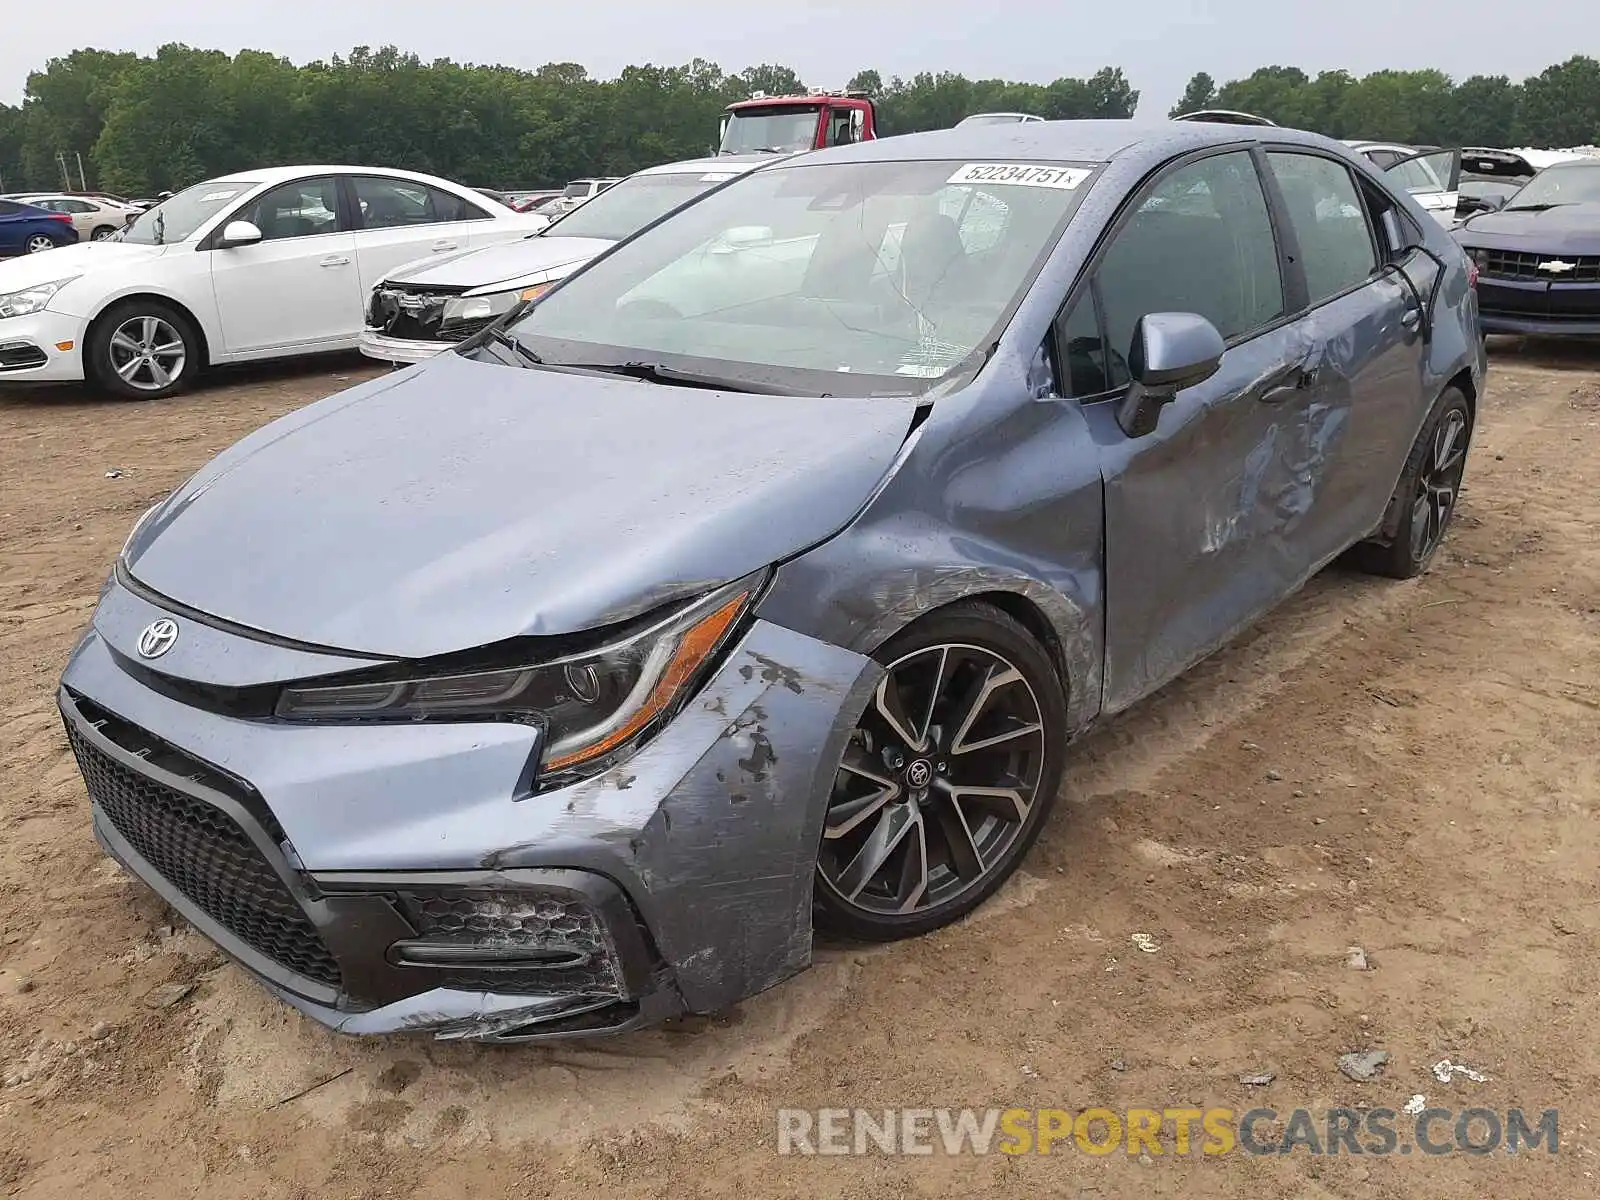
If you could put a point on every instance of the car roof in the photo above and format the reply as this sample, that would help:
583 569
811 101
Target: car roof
720 162
281 174
1061 141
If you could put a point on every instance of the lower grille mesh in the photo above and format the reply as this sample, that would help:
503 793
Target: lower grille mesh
204 853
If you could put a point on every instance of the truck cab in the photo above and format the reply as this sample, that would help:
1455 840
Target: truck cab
789 124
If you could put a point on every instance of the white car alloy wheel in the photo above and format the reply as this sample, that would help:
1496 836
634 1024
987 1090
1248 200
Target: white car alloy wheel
39 243
147 353
102 233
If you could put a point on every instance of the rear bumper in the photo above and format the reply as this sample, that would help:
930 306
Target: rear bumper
399 350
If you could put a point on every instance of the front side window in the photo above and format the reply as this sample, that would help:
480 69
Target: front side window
1324 207
177 218
1086 365
397 203
1201 242
304 208
623 210
850 278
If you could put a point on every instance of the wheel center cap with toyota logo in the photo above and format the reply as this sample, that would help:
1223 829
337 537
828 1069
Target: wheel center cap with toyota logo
920 773
157 638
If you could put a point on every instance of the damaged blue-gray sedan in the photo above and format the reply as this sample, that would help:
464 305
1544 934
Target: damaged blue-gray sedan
761 574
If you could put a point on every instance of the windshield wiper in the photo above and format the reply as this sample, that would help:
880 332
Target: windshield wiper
501 338
652 372
1536 207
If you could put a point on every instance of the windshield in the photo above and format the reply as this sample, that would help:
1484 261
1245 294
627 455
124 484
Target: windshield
837 279
629 206
1560 185
176 218
780 128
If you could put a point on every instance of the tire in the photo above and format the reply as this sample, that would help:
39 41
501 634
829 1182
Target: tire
39 243
1425 498
101 233
142 350
971 820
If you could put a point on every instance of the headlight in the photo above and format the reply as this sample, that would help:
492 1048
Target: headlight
479 310
32 299
591 706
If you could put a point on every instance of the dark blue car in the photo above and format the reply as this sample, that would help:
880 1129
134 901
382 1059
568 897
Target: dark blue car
25 229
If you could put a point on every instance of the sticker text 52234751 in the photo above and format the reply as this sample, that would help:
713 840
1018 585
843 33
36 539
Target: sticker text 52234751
1021 174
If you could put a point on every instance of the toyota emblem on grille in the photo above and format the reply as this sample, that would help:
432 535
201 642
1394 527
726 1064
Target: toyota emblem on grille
1557 266
157 638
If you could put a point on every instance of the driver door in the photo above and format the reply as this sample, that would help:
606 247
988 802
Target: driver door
297 288
1433 177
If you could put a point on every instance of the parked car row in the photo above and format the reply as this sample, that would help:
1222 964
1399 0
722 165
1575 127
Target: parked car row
762 570
29 229
262 264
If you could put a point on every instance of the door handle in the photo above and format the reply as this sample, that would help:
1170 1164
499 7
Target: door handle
335 260
1294 382
445 246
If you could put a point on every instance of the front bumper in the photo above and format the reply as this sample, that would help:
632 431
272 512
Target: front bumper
399 350
1510 323
30 348
678 881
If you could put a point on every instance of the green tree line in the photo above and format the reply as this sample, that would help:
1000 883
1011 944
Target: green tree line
145 123
1557 108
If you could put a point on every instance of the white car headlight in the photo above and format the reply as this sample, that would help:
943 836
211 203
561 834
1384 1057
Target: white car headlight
476 311
30 299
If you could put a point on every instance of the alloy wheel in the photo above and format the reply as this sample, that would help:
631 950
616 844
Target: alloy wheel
39 243
147 353
1438 482
101 235
937 782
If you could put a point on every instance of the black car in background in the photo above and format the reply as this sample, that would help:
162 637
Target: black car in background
1489 178
1538 257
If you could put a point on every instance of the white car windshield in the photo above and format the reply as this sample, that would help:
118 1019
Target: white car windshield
176 218
845 279
629 206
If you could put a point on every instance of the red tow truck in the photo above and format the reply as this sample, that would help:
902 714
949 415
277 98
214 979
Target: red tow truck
812 120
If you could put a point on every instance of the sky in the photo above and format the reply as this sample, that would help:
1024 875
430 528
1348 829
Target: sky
1158 43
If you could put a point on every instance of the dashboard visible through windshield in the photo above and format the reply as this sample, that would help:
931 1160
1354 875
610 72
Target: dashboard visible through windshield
176 218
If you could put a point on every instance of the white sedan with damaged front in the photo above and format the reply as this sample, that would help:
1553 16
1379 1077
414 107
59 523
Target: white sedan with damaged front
270 263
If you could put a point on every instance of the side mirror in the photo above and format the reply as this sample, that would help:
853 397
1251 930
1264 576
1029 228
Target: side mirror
1170 352
858 124
239 233
1493 203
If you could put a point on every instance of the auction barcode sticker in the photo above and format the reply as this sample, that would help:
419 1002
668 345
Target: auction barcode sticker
1021 174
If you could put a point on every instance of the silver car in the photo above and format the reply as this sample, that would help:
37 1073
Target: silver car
431 304
562 683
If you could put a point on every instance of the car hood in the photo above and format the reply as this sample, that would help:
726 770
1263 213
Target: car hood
1569 229
502 263
65 261
461 503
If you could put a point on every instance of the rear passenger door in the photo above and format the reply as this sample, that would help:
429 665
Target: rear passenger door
1363 304
1205 517
398 220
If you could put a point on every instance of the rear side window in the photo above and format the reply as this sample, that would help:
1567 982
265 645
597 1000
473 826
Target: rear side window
1200 242
396 203
1324 207
9 209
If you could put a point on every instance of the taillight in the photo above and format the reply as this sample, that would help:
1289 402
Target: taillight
67 217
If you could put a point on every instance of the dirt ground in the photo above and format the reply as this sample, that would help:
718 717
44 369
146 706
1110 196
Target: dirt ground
1407 768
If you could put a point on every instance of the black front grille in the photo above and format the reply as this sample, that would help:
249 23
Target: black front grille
1525 265
203 852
